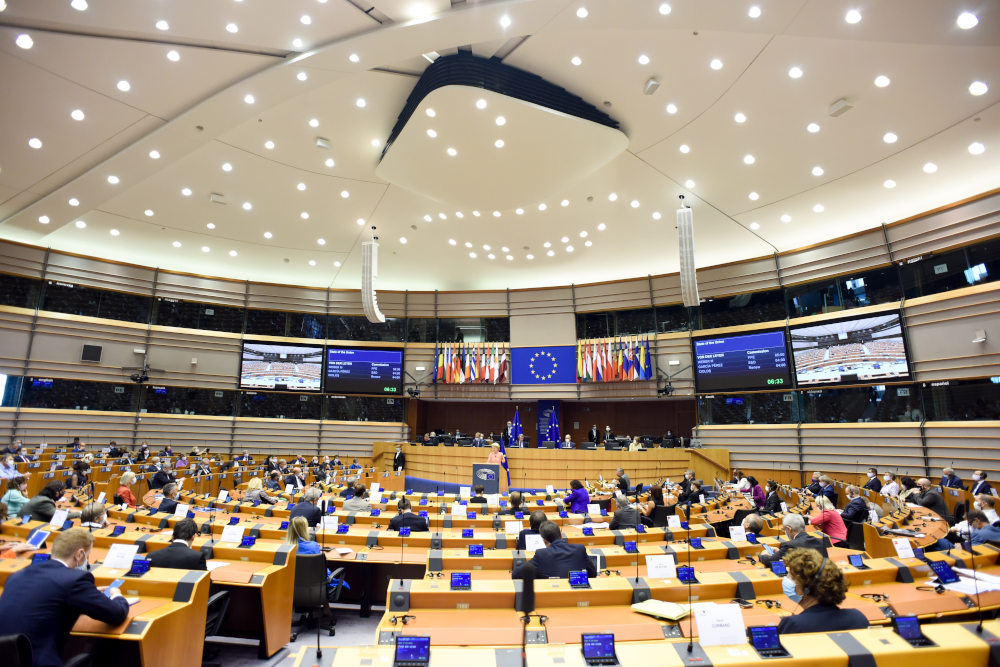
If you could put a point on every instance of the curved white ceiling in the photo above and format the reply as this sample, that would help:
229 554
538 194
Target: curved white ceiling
201 97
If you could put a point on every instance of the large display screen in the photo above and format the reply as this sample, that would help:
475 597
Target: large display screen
282 367
742 362
364 370
851 350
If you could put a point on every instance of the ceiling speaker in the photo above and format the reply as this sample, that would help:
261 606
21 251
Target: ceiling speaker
685 245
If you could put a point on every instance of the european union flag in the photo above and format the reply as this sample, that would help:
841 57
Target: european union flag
543 365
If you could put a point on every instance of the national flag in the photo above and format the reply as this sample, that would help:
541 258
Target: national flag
648 365
459 365
554 434
437 364
598 362
494 358
579 362
642 360
502 368
587 365
447 363
620 369
627 362
606 357
473 364
484 363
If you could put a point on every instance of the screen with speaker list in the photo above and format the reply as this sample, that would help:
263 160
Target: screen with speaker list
364 370
742 362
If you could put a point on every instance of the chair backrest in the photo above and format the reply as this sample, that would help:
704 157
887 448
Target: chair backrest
660 514
17 647
338 574
310 580
638 488
218 605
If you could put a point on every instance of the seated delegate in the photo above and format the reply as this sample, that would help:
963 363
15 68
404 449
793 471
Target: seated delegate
407 519
818 586
558 558
178 554
794 527
578 498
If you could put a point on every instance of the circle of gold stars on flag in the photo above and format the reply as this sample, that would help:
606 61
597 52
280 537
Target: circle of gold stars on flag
547 365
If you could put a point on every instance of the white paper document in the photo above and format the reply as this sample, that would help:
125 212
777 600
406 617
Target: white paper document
513 527
215 564
533 542
58 518
232 534
120 556
593 508
465 492
223 495
903 547
674 521
549 489
737 534
661 566
719 624
329 522
181 510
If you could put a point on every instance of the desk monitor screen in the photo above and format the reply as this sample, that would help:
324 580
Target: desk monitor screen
639 528
470 515
599 648
284 525
404 531
696 543
466 532
908 628
140 566
461 581
944 572
422 514
412 650
742 362
38 538
281 367
233 520
475 549
247 542
685 574
764 636
778 567
37 558
578 579
117 530
588 531
518 515
858 561
342 528
376 512
631 548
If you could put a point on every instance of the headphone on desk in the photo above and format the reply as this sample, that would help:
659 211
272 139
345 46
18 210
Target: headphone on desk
807 590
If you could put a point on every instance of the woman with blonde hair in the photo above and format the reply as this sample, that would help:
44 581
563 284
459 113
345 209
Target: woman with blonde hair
829 521
256 494
298 534
124 492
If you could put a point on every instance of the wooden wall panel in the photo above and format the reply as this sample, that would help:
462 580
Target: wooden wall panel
472 304
357 438
953 226
750 276
56 427
59 340
22 260
862 251
15 325
285 298
618 295
185 432
772 447
100 274
964 446
201 289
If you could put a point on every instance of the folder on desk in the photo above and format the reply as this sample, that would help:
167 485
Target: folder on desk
662 609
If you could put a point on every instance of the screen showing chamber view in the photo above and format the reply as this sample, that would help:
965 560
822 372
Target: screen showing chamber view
864 349
282 367
364 370
738 363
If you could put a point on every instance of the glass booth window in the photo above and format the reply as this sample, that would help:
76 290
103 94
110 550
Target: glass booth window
280 405
752 408
984 262
364 408
674 317
266 322
421 329
746 308
18 291
497 329
194 315
10 388
963 400
844 292
357 327
42 392
473 329
931 274
187 401
860 404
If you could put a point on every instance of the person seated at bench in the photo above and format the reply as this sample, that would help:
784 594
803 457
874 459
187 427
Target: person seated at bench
818 586
255 492
274 481
535 521
578 498
359 502
830 521
169 502
513 504
479 497
795 530
558 557
298 535
125 489
626 516
982 531
407 519
178 554
307 507
43 506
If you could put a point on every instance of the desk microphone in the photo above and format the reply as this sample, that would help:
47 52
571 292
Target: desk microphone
975 583
527 606
690 647
322 523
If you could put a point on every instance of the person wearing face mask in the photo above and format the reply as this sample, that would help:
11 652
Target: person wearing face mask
873 483
794 527
982 503
814 486
857 507
979 483
830 521
931 499
890 487
818 587
44 600
982 532
826 489
686 483
950 480
772 503
94 515
743 484
399 459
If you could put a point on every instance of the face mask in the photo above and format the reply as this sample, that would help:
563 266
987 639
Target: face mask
977 505
886 478
822 485
975 478
788 588
815 479
870 475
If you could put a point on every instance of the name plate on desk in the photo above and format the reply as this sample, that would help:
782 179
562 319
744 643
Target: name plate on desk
120 556
58 518
593 508
661 566
465 492
513 527
903 547
674 521
182 510
329 522
719 624
737 533
223 495
549 489
232 534
533 542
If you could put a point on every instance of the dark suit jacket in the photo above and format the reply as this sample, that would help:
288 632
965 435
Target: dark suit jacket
44 600
607 435
202 471
168 505
626 517
178 556
160 479
772 504
557 559
414 522
593 435
311 512
521 546
934 502
982 487
875 484
813 488
823 618
801 541
830 493
295 482
399 461
953 482
856 510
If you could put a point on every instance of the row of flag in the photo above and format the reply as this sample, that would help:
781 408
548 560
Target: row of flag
468 363
613 360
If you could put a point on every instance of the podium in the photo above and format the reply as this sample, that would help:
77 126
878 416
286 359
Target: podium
491 476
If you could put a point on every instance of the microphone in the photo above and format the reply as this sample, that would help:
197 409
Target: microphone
322 520
975 583
527 606
690 647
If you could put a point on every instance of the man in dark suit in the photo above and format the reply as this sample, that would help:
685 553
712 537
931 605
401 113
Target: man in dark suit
399 459
169 502
826 489
179 554
625 516
951 480
18 452
296 479
559 557
857 507
479 497
873 483
795 529
980 485
307 507
593 435
535 521
407 519
813 487
272 463
608 435
931 499
479 440
203 468
244 458
44 600
161 478
274 481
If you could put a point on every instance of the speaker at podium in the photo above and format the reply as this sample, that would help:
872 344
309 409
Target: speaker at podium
491 476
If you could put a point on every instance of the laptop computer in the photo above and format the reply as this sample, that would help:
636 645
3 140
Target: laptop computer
578 579
764 639
599 649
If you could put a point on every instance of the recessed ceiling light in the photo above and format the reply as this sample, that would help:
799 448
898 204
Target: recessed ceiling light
232 253
749 159
716 64
312 262
247 206
428 218
786 218
817 171
24 41
881 81
173 56
888 184
452 242
643 59
665 9
496 214
519 211
162 25
468 245
210 225
564 203
149 213
376 143
176 244
442 216
754 226
268 235
582 13
186 192
360 103
77 114
818 208
890 138
154 155
740 117
80 224
564 239
113 180
583 234
542 207
249 99
329 162
634 203
529 256
232 28
498 143
812 128
967 20
795 72
657 215
546 245
504 21
321 241
300 187
73 201
754 12
684 148
473 255
486 246
601 227
671 108
978 88
689 184
78 5
44 219
35 143
402 239
588 243
302 76
570 248
613 196
269 145
930 168
354 58
576 61
313 122
510 258
305 19
304 215
480 103
226 166
451 151
459 214
337 264
852 16
297 43
475 214
976 148
753 196
124 85
360 221
550 253
345 194
432 133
